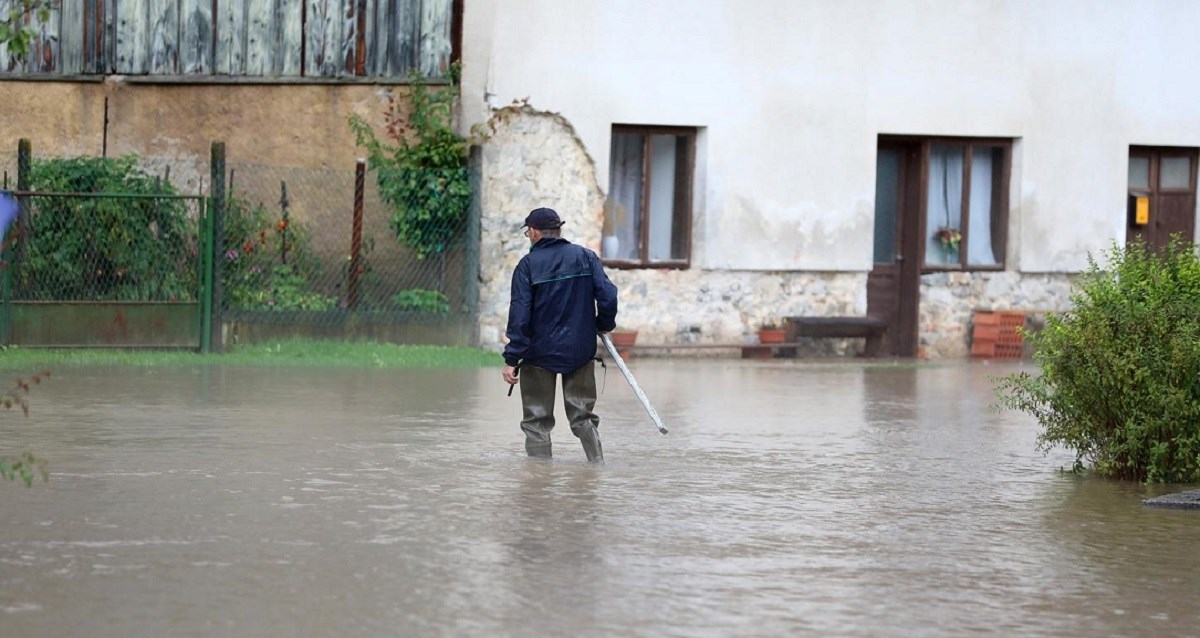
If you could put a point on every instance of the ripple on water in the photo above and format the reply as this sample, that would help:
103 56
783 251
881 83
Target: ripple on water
789 499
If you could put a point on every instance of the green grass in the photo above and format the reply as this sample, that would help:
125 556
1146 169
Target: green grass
292 352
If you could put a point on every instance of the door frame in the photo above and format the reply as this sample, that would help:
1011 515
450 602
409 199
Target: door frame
905 271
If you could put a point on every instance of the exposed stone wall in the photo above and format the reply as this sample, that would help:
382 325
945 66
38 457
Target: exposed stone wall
949 299
532 159
529 159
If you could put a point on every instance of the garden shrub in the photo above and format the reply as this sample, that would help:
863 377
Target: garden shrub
1120 371
424 178
268 262
105 249
421 300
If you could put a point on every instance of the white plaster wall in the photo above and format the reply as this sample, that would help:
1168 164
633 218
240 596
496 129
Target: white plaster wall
528 156
791 95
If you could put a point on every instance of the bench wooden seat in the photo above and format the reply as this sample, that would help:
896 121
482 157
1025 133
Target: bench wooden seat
749 350
870 328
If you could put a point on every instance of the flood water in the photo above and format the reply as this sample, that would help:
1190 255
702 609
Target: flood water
788 499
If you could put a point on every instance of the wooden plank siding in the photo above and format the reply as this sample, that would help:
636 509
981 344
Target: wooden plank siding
434 49
324 38
260 38
44 52
72 44
99 34
289 29
195 37
256 38
396 31
133 34
231 37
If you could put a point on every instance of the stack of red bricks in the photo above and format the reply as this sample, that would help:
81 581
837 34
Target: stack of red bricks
995 335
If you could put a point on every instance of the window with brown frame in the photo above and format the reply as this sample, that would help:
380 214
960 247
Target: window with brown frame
966 203
648 213
1167 176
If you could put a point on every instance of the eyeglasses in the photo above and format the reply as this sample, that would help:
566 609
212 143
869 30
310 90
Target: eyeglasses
526 232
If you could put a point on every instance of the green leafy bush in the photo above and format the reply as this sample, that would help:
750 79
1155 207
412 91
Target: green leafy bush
421 300
15 32
424 178
1120 372
268 262
105 249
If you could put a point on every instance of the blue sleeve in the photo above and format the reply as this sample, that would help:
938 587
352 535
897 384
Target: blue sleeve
8 212
520 307
606 297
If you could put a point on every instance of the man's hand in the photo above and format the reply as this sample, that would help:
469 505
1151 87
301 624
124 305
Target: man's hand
510 375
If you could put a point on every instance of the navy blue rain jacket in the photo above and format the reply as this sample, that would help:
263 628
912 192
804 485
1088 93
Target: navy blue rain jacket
560 299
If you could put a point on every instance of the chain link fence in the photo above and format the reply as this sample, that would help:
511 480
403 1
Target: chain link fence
105 251
105 230
268 252
318 252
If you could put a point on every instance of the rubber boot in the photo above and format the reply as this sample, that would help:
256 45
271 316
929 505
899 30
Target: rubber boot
579 397
537 402
589 436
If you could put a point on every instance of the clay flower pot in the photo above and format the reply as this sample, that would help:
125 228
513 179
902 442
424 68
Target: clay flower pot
768 335
624 341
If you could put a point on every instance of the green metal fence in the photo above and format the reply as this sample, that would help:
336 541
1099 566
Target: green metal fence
113 252
104 253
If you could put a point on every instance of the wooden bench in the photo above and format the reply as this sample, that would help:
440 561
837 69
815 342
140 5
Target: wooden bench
870 328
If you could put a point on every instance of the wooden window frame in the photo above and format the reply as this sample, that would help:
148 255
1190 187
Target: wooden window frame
1156 154
999 202
683 212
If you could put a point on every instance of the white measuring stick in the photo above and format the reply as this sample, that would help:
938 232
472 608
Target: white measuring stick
612 350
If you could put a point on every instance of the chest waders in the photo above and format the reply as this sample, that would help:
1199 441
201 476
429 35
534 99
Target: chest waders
579 399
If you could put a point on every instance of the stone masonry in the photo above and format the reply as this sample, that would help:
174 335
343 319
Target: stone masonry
532 158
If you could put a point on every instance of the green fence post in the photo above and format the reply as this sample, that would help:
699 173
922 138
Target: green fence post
19 229
217 215
472 241
206 281
5 298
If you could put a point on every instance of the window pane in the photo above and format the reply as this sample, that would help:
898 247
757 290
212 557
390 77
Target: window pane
623 209
887 201
944 210
1175 172
1139 172
662 195
986 165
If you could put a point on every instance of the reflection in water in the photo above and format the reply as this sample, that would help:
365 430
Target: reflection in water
789 498
550 528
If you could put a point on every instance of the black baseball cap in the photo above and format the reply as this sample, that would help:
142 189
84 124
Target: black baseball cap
543 219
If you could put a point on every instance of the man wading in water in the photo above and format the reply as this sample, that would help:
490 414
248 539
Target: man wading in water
560 299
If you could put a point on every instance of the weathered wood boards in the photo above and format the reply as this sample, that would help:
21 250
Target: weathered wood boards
266 38
45 50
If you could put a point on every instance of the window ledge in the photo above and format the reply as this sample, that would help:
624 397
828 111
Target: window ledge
639 265
930 270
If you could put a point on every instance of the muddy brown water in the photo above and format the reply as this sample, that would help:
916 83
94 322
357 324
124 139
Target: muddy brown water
789 498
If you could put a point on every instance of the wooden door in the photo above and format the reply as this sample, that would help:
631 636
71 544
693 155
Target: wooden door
893 285
1167 176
